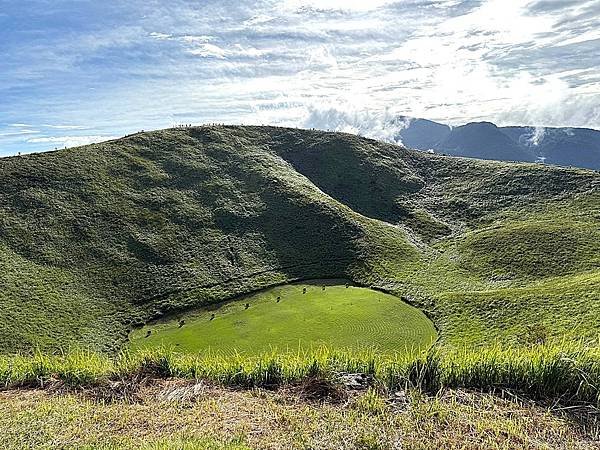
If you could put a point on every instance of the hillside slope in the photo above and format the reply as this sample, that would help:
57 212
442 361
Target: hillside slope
99 239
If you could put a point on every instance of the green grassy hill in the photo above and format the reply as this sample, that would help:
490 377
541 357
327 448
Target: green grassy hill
98 240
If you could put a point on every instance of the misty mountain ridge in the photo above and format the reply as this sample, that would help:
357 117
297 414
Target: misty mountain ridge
564 146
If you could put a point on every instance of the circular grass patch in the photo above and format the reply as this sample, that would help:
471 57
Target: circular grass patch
305 316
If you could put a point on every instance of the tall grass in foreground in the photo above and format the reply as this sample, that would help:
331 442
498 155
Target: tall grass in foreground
569 372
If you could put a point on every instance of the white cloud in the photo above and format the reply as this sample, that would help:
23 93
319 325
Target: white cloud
250 52
321 57
502 22
161 36
259 19
208 51
383 125
344 5
70 141
349 65
21 132
191 39
65 127
591 35
537 136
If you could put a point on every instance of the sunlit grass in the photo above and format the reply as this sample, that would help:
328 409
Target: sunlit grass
296 316
569 372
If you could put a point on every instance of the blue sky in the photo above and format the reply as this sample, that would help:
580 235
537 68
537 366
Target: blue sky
79 71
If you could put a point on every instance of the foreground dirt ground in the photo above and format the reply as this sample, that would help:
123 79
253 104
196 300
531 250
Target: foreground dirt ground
175 414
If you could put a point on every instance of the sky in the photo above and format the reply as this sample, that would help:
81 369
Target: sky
74 72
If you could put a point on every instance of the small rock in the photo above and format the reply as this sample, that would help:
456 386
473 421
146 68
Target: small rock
399 398
356 381
182 393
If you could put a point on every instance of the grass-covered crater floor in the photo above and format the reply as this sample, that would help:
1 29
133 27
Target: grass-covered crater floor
295 317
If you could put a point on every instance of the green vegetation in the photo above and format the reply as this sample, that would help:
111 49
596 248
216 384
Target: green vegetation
569 371
185 416
533 276
94 400
98 243
293 317
98 240
119 233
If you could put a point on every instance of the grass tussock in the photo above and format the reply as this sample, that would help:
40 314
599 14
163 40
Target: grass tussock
567 373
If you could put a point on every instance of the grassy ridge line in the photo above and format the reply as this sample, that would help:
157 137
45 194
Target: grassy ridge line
431 194
569 372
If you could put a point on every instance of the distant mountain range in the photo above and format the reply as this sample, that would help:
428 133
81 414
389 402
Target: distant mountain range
579 147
